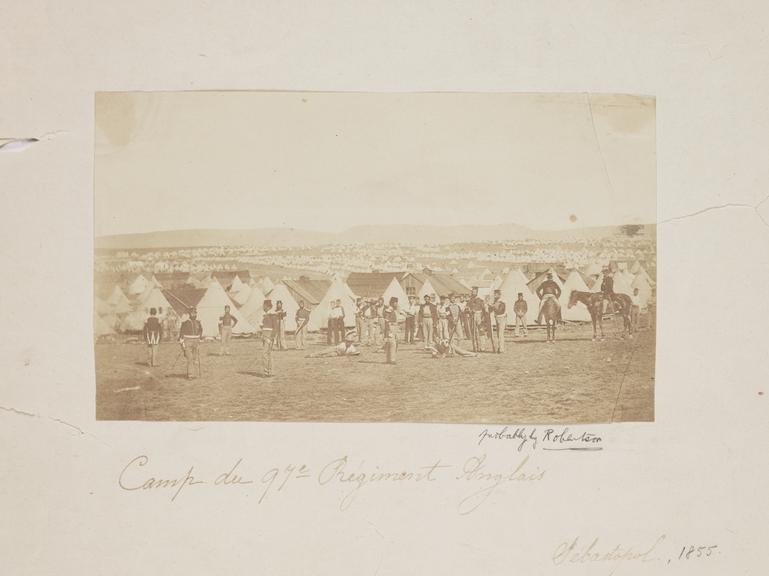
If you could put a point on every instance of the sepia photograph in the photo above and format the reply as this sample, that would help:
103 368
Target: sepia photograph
375 257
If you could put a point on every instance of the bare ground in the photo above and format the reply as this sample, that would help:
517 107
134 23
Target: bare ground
573 381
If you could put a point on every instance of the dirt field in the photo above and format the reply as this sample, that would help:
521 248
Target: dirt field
574 380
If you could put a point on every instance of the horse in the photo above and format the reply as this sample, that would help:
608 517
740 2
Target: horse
594 303
550 314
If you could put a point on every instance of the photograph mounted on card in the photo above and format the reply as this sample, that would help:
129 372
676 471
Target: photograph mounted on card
375 257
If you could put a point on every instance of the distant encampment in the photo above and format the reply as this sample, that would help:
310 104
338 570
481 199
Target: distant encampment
394 234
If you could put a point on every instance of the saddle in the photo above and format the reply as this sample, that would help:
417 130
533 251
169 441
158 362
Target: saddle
548 296
615 305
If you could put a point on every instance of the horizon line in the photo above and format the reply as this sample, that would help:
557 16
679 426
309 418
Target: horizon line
329 232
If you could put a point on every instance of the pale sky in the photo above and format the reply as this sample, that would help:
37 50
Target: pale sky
328 161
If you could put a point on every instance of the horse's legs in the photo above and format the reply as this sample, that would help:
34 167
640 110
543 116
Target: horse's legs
600 323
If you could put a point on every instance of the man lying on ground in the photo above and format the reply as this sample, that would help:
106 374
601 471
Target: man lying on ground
346 348
443 349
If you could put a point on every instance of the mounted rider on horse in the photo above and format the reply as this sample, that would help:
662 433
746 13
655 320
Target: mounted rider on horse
549 290
607 290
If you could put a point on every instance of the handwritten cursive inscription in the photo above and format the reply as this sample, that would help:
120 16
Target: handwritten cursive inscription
577 551
547 438
477 472
128 479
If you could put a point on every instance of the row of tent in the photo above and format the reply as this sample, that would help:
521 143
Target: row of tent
624 283
127 313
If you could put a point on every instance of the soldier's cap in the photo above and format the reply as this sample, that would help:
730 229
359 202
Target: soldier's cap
497 291
268 302
520 293
474 288
549 274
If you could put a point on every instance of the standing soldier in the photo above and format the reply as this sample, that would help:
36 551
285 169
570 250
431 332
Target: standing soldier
360 318
486 328
521 308
152 334
635 309
443 319
331 323
189 337
280 326
474 311
455 319
340 324
226 324
302 317
391 314
464 314
269 328
380 321
499 310
372 322
427 317
411 319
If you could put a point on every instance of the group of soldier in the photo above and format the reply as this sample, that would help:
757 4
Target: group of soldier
454 317
441 324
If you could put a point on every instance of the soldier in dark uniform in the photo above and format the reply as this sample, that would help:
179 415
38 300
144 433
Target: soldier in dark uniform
152 335
190 335
607 289
226 323
520 308
548 289
474 310
392 314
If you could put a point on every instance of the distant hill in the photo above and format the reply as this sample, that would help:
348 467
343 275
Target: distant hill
385 234
197 238
421 234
